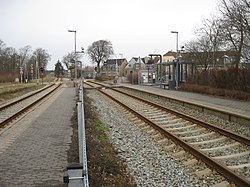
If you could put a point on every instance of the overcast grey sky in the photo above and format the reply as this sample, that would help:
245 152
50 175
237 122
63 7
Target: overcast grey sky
134 27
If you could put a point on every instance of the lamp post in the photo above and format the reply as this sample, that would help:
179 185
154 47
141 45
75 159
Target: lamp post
177 59
75 52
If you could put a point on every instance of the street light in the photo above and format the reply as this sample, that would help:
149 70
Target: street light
176 32
75 52
177 56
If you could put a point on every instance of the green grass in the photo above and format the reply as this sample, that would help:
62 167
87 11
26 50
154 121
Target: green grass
100 127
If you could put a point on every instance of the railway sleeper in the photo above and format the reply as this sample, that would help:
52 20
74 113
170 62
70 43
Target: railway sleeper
232 155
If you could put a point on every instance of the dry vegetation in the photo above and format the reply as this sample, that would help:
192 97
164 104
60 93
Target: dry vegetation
104 166
105 169
232 94
231 83
8 92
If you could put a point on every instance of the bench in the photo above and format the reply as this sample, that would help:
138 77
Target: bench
163 84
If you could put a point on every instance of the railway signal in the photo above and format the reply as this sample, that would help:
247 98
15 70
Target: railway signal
42 70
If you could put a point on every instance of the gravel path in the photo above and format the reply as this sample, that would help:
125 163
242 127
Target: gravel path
146 159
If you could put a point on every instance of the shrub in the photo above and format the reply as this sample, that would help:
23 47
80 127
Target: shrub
233 79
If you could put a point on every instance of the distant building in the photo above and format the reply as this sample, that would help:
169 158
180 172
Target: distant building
136 63
88 72
218 59
169 56
49 73
114 67
135 70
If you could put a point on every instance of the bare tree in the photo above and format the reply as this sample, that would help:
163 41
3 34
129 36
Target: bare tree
11 60
212 30
200 51
69 59
25 54
230 31
203 49
9 63
2 45
8 60
42 57
235 19
100 51
246 47
245 5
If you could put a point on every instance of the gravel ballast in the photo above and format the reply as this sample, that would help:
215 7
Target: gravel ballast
147 161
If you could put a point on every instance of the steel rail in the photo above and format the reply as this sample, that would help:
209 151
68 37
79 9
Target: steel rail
230 116
224 132
4 122
212 163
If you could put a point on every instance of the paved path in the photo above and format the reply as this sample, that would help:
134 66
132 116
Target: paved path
240 107
34 151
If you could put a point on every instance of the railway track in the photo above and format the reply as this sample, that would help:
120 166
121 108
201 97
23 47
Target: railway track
237 117
226 152
15 109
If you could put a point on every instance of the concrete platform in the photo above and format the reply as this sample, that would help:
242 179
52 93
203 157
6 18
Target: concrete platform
233 106
33 152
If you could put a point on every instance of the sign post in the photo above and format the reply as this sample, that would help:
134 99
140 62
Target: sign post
31 71
21 74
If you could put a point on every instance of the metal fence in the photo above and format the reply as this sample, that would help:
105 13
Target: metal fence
77 173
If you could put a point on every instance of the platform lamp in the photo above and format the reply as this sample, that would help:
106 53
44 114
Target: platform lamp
177 58
74 31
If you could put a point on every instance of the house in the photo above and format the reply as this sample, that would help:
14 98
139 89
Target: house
135 69
114 67
169 56
136 63
88 72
